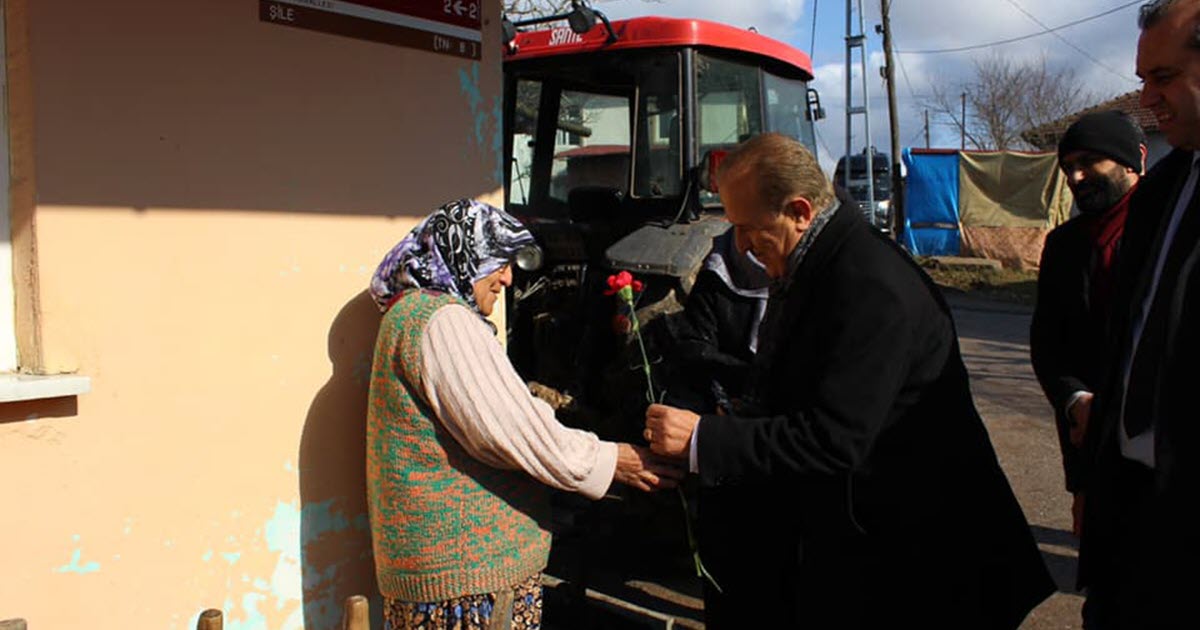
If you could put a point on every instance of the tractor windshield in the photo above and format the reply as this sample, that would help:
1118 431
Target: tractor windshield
730 95
631 122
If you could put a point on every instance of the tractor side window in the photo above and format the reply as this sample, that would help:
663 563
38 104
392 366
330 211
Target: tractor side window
787 109
730 105
591 147
658 159
524 130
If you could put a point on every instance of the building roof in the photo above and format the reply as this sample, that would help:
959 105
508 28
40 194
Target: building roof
1045 137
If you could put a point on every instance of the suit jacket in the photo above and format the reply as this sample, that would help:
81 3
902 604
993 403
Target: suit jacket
867 494
1166 560
1067 333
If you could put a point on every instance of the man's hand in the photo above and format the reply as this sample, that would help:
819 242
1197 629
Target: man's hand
669 430
638 467
1077 417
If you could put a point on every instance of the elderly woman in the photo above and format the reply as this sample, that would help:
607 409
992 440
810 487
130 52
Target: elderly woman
460 457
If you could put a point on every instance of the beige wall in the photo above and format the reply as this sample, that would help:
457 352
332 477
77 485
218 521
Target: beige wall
212 194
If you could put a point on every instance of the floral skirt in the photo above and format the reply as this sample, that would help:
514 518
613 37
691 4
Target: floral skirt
487 611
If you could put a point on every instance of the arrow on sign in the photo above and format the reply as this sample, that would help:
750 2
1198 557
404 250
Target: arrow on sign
458 7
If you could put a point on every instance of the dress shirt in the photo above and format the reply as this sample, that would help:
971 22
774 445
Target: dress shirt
1141 446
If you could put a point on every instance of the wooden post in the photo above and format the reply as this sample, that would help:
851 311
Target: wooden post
896 221
357 613
211 619
963 127
927 129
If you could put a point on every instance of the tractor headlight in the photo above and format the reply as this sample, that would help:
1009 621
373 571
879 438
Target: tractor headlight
530 258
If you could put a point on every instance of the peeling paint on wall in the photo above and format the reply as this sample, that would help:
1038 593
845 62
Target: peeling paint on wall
73 566
302 590
248 609
364 363
468 83
320 523
498 139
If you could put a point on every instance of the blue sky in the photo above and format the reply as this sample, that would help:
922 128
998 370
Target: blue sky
1101 51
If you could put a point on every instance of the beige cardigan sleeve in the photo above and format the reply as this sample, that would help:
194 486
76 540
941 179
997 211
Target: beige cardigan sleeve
482 401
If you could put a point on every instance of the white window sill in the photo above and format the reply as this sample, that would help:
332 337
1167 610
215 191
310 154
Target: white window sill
17 387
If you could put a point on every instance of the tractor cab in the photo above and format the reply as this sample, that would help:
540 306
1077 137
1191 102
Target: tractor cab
609 129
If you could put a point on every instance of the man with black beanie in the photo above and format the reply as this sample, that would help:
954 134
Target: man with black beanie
1102 156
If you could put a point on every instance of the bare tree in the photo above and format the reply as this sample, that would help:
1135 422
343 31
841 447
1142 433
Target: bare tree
517 9
1004 98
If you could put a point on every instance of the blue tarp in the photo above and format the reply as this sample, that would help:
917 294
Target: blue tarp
931 204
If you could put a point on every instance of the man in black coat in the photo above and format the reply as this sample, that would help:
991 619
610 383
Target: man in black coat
859 490
1102 155
1139 549
709 345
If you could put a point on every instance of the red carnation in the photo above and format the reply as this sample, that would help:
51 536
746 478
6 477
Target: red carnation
620 281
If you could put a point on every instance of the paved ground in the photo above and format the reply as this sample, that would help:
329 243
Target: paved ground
994 339
995 346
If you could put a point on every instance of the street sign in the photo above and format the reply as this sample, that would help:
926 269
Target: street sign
449 27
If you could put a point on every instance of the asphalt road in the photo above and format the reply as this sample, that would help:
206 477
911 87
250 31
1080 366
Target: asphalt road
995 345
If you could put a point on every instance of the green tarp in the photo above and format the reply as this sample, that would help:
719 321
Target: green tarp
1007 189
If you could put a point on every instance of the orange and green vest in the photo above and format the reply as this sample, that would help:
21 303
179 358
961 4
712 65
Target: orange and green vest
443 524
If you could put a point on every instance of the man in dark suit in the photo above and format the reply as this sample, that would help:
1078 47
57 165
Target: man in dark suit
1139 547
1102 155
859 489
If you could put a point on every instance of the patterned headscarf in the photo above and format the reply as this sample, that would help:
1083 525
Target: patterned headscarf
459 244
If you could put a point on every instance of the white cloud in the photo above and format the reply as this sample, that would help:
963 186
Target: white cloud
776 18
1110 42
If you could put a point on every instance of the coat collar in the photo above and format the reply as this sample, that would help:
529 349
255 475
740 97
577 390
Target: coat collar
843 218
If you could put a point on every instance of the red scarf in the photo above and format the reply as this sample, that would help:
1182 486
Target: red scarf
1104 230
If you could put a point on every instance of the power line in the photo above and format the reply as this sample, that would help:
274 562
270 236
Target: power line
904 72
822 141
916 136
812 43
1068 42
937 51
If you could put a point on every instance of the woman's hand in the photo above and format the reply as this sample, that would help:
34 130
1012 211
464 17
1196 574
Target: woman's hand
638 467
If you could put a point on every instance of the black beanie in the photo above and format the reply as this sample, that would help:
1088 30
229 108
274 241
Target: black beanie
1111 133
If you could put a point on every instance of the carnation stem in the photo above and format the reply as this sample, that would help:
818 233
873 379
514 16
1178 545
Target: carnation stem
637 332
701 571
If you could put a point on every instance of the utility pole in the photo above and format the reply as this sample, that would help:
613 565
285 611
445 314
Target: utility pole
962 128
858 40
890 75
927 129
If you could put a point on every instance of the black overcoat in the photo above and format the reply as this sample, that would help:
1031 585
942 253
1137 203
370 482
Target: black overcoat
1067 333
866 493
1167 548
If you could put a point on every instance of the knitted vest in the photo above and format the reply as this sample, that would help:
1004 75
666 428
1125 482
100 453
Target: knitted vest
443 524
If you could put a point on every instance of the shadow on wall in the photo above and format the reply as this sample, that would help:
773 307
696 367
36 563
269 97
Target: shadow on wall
335 534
